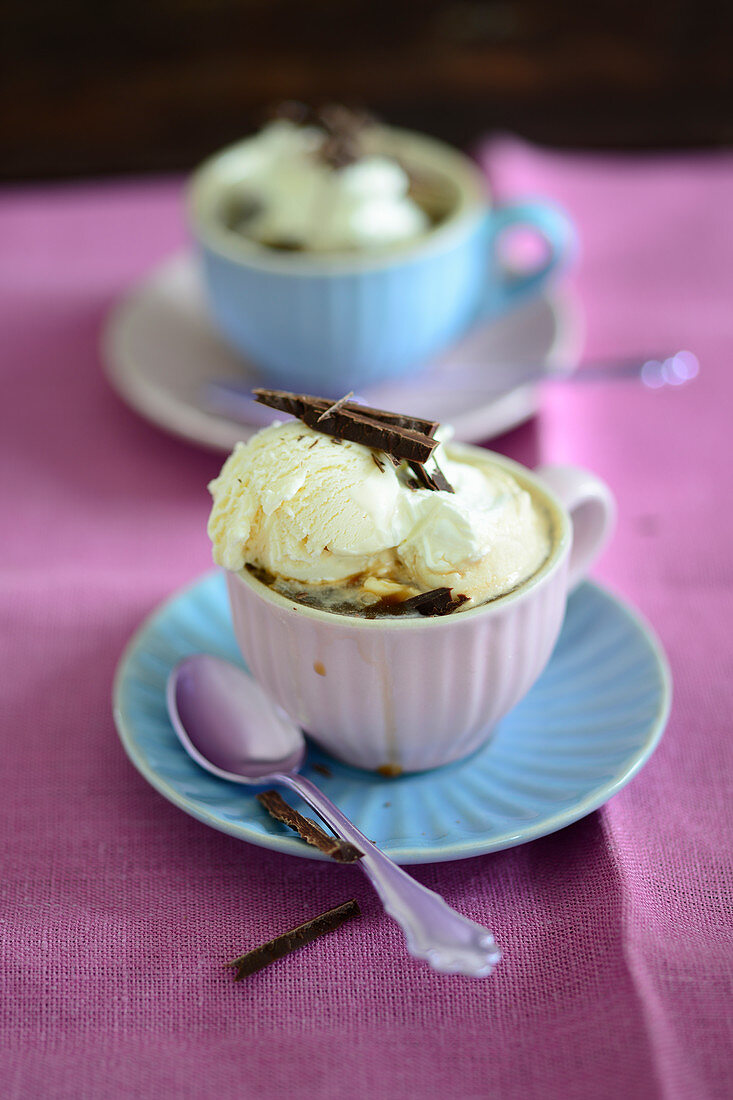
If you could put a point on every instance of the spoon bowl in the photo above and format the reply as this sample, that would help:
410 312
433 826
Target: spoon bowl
226 723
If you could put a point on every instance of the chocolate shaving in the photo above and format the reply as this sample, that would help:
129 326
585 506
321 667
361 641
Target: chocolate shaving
384 416
348 423
260 957
400 420
440 481
384 431
344 130
335 118
332 846
396 435
340 150
434 479
439 601
285 244
291 110
422 475
336 406
436 602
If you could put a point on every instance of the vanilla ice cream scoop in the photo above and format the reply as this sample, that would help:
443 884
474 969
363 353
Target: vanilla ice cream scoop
319 511
304 202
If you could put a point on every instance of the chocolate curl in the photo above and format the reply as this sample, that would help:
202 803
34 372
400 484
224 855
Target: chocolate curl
438 601
434 479
353 422
285 944
332 846
336 406
276 399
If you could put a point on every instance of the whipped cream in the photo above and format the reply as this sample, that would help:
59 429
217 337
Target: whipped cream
304 202
318 511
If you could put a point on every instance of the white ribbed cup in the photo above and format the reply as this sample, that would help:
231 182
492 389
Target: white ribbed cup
408 694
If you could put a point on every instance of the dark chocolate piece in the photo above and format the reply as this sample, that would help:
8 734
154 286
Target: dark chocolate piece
434 479
323 769
285 944
291 110
440 481
344 129
384 416
284 244
335 118
340 150
400 420
332 846
343 423
435 602
423 477
439 601
336 406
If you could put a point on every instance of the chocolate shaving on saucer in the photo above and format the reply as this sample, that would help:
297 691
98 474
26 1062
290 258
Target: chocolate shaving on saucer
401 437
285 944
332 846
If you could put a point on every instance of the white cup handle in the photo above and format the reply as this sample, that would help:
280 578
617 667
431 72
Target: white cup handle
592 509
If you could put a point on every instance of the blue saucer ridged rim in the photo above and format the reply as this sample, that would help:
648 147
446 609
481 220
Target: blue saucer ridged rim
591 721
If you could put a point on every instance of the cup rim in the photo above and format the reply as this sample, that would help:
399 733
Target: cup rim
549 568
421 149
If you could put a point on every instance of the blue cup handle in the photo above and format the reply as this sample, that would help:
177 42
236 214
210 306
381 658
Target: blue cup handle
507 290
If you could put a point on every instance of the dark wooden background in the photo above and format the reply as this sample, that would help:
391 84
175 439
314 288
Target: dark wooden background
153 85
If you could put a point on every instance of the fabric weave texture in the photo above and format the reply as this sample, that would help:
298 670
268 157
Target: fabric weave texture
117 912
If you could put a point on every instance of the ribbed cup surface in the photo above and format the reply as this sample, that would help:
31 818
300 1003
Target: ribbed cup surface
330 333
401 696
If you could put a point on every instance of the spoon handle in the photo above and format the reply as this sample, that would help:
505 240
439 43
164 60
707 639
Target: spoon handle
433 931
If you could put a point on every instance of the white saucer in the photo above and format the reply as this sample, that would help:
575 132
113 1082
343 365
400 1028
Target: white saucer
160 352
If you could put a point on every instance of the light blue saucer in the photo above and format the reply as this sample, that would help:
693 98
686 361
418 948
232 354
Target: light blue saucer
586 728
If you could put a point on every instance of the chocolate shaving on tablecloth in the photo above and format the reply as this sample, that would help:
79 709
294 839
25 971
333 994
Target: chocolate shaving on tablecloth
260 957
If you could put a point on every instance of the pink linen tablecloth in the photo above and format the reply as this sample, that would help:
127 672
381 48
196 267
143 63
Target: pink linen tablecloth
118 910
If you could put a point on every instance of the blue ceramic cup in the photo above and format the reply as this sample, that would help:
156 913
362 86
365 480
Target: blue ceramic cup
330 323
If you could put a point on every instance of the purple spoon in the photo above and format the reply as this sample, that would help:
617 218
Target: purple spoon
226 723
